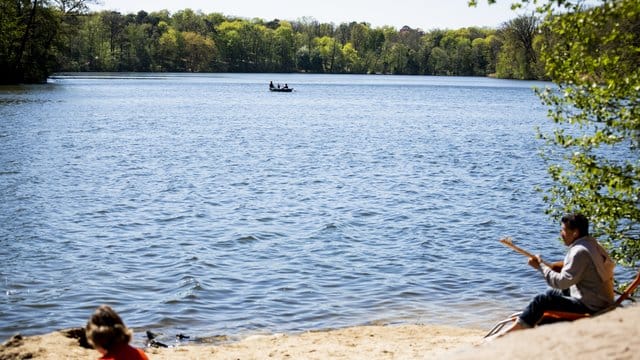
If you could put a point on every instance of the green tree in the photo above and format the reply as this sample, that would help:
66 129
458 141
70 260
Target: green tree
231 45
428 42
351 59
170 48
137 50
284 39
387 53
189 21
199 52
28 30
397 58
517 57
592 56
594 60
260 44
70 7
308 60
510 63
372 54
114 25
461 58
457 46
245 45
328 49
480 56
359 34
439 61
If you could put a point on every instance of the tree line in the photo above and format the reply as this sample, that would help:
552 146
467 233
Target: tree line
42 36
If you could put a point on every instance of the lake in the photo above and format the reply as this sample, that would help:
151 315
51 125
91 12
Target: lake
206 205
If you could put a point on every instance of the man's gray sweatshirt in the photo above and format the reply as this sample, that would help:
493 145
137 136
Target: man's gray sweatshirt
587 273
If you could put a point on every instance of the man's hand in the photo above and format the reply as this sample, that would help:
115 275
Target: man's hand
535 261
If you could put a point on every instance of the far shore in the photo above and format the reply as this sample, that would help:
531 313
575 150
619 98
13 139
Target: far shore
609 336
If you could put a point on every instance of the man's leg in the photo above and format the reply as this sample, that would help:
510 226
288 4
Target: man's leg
552 300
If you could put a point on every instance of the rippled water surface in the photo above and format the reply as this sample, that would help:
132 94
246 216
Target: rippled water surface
207 205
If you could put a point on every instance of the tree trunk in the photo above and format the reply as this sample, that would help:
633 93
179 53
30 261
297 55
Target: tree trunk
18 71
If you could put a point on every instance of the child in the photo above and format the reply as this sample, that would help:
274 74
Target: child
107 333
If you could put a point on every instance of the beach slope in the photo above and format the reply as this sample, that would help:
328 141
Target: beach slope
604 337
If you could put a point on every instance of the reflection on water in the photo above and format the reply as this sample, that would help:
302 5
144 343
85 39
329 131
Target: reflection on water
208 205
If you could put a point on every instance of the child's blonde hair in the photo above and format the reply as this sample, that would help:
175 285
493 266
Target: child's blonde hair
105 329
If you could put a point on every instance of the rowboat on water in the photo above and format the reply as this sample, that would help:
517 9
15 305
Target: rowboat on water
281 89
285 88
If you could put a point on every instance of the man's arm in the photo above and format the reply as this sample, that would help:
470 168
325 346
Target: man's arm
575 263
536 261
557 266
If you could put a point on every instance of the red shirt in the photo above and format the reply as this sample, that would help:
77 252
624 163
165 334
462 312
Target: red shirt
125 352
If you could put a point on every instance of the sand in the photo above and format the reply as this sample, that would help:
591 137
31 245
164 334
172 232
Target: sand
609 336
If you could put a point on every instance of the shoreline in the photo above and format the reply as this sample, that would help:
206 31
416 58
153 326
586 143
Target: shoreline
606 336
360 342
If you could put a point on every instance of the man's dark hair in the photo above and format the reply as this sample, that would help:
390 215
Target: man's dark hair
577 221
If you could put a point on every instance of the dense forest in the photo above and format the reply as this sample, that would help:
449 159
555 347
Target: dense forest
40 37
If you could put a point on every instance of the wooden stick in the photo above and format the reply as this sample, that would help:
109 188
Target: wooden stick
508 242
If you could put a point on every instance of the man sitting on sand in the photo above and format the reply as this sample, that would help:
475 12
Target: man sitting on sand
587 273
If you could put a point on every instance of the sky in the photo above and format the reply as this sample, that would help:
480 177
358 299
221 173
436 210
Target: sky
423 14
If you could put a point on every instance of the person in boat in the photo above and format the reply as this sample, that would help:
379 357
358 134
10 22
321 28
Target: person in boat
286 86
107 333
583 285
271 85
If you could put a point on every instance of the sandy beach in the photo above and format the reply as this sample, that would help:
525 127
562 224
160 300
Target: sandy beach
609 336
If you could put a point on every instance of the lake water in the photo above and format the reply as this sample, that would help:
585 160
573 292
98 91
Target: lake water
206 205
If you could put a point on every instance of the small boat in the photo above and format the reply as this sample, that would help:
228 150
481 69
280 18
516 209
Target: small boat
287 89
